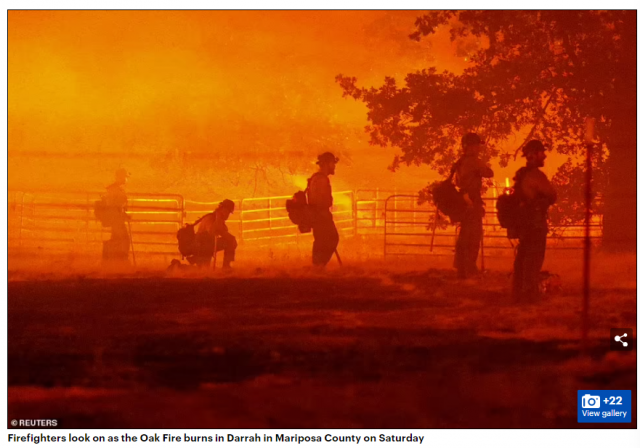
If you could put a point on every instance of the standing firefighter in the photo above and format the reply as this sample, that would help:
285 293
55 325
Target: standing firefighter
116 249
469 172
325 234
213 235
536 195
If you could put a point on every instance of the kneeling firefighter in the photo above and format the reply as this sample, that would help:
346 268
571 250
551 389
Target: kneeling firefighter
213 236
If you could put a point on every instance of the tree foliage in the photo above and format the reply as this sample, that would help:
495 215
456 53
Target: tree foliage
540 73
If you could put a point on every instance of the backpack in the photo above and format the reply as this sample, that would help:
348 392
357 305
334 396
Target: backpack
298 210
187 238
448 199
102 212
510 212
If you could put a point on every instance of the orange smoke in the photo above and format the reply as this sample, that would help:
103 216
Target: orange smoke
203 103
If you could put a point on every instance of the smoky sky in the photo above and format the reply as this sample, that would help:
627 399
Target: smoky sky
141 84
79 80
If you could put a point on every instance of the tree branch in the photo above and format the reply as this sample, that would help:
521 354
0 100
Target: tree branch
535 125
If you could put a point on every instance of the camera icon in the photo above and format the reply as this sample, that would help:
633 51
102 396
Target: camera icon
590 401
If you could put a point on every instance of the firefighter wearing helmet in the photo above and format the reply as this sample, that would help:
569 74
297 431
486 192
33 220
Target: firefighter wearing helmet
325 233
537 194
469 172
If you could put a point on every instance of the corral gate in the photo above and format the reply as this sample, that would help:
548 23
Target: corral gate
409 230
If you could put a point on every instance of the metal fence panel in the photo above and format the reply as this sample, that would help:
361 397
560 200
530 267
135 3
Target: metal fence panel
60 223
65 223
409 230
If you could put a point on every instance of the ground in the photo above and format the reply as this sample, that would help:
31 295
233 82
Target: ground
357 347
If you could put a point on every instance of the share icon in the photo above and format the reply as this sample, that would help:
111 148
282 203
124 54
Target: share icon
619 339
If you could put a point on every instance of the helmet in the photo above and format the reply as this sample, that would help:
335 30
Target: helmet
228 204
471 138
326 157
122 173
531 147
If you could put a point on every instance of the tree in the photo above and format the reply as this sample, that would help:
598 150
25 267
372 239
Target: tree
537 72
